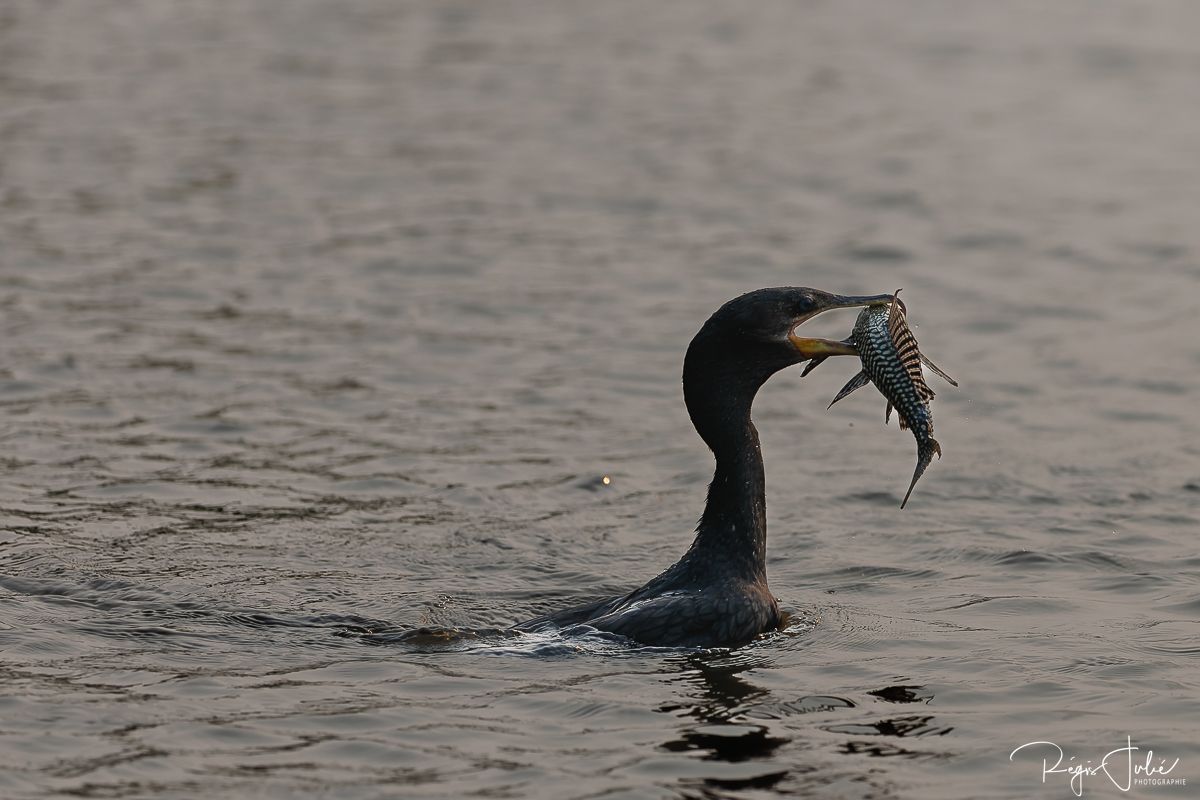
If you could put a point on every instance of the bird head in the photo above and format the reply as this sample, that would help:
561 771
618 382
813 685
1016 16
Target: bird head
764 324
753 336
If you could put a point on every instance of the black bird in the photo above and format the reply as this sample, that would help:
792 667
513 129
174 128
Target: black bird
716 595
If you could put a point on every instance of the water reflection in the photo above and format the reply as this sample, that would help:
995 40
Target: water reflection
718 729
896 726
719 687
727 718
902 727
903 694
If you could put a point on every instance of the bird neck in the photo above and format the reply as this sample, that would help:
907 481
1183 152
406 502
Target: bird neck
733 530
720 380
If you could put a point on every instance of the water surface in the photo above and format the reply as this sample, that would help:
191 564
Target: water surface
325 320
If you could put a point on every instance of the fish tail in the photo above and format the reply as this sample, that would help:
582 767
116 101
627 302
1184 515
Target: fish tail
925 451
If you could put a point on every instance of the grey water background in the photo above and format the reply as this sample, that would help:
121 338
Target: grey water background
323 319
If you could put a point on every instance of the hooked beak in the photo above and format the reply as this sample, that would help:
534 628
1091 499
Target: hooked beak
823 348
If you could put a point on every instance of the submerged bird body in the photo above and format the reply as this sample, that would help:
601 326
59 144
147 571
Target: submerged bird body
716 595
892 361
674 611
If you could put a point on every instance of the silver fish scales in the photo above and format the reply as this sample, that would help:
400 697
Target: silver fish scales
892 361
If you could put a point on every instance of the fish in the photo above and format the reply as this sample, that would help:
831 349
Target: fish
892 361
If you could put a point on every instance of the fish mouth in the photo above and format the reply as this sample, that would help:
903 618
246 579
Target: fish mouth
810 347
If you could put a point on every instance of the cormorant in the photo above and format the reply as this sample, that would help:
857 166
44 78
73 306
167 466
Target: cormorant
716 595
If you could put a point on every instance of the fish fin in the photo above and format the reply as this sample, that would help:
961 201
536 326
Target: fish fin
924 456
941 372
906 346
811 365
887 416
857 382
